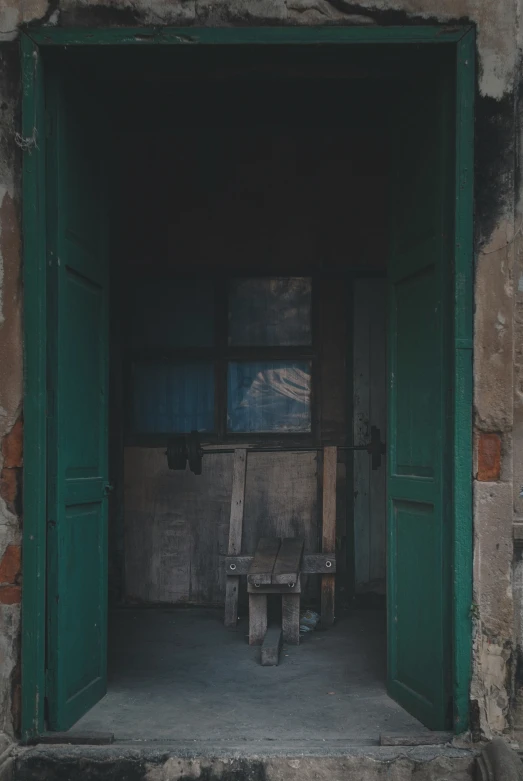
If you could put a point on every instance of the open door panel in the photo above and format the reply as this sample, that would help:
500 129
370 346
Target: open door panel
419 672
77 415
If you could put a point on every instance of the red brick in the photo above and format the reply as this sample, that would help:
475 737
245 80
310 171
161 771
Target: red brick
489 457
9 485
10 564
12 446
10 595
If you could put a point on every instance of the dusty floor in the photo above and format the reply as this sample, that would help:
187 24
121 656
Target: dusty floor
178 675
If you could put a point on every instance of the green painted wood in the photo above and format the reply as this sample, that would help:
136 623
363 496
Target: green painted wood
34 484
463 381
33 627
78 288
48 36
419 660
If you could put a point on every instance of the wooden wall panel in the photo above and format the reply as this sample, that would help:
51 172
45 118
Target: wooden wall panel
176 528
177 523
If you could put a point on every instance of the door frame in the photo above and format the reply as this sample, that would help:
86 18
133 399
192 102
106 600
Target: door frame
34 41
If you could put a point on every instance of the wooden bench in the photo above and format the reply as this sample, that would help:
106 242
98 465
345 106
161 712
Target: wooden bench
277 565
275 569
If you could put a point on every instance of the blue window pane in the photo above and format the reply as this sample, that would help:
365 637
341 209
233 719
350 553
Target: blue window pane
266 396
172 399
173 313
266 312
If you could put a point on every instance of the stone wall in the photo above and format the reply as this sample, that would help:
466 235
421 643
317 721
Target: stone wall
498 412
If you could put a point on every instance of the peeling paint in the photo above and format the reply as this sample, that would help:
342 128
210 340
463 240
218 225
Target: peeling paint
496 22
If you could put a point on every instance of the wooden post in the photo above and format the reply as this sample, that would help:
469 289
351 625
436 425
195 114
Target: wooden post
257 618
235 534
330 465
290 618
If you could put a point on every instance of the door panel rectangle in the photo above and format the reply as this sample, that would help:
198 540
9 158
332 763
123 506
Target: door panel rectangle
416 601
416 373
83 539
84 371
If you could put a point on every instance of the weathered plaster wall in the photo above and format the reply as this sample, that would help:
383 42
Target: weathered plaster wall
10 390
499 284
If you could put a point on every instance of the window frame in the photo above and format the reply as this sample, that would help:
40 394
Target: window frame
220 355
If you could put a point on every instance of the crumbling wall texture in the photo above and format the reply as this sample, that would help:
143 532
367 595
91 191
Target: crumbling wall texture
498 344
10 389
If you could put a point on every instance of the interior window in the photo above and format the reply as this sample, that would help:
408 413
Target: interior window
183 351
270 312
266 396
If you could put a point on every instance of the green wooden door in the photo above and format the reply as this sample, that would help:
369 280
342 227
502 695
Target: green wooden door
77 414
418 406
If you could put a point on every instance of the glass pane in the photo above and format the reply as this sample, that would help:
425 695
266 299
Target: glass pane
265 396
270 312
173 313
172 399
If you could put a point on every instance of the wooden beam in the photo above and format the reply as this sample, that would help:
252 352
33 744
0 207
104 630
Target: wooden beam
275 589
312 564
330 459
232 585
257 618
270 652
290 618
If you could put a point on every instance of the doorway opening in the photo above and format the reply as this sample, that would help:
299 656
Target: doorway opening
248 234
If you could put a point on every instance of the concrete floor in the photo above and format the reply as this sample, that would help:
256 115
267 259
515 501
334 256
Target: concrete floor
180 676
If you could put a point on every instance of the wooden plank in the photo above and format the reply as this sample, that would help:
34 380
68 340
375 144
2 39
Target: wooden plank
260 571
232 586
425 739
239 470
312 564
328 531
330 460
270 652
317 563
275 588
290 618
237 565
288 561
257 618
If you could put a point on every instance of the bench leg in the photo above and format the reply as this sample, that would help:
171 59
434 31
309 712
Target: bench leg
232 585
257 618
290 613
